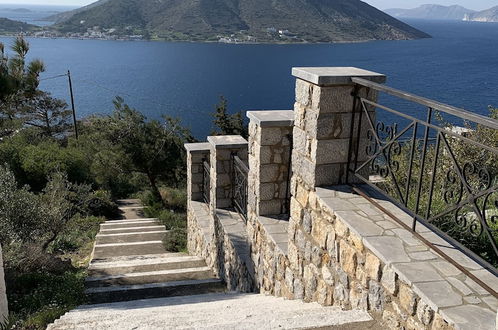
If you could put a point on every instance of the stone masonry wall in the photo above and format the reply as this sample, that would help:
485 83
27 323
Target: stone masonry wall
222 246
269 162
336 248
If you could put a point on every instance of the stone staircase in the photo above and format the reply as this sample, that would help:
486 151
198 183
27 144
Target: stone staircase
215 311
129 262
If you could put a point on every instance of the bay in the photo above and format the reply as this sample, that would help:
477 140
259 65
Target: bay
458 66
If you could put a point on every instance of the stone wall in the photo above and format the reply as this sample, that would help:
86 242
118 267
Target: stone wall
4 309
337 248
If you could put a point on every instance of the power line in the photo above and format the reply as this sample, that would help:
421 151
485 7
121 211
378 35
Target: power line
54 77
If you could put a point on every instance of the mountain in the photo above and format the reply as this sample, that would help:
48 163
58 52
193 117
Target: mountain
261 20
64 16
489 15
431 12
8 26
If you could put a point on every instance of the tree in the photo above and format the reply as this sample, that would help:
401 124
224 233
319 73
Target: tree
151 148
60 202
20 217
49 114
228 124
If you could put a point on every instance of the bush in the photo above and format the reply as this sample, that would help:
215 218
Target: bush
41 297
102 205
176 240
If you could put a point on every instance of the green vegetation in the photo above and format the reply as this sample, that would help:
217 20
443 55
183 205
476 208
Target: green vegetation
10 27
447 204
55 189
247 20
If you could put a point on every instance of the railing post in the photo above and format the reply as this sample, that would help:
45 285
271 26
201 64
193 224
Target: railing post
222 147
323 121
270 134
4 309
196 153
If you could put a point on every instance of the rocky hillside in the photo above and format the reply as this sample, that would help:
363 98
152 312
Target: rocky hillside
243 20
489 15
8 26
432 12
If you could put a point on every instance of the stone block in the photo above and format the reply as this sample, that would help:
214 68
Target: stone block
407 299
388 249
437 294
470 317
416 272
334 76
376 297
388 280
269 173
270 136
329 151
348 258
372 266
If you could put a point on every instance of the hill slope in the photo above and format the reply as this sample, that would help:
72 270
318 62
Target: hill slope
8 26
432 12
489 15
304 20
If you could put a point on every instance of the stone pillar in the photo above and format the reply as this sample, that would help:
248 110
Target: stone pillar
270 134
322 129
196 154
222 147
4 308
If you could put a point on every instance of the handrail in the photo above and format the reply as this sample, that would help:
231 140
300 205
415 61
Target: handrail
464 114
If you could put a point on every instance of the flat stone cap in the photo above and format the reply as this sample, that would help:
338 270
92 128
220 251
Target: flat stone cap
197 147
272 118
328 76
227 141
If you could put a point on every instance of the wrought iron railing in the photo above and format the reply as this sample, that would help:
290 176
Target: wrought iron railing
239 185
443 175
206 180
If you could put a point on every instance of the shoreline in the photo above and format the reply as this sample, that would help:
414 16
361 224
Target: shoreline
14 35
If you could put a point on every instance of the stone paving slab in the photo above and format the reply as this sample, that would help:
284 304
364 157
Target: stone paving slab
210 311
439 284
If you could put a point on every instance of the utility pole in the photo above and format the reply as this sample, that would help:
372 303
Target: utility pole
72 104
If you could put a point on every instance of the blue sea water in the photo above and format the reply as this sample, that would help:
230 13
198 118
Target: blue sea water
459 66
32 14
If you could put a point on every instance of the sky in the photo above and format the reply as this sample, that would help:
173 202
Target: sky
381 4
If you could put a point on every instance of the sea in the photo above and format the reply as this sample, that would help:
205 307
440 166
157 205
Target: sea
457 66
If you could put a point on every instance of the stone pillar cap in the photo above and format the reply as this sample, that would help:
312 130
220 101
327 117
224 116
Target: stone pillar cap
272 118
197 147
328 76
227 141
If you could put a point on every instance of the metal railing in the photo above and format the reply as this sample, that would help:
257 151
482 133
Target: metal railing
240 172
446 180
206 181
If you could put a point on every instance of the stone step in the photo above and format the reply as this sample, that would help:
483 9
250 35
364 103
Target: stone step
131 237
154 290
131 229
145 223
218 311
116 266
184 274
129 220
127 249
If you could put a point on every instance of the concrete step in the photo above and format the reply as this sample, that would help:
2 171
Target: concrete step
154 290
130 224
129 220
218 311
131 229
142 236
116 266
127 249
184 274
